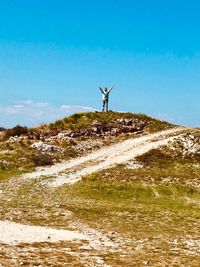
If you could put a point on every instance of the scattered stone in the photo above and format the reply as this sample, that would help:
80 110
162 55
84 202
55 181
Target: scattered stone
43 147
34 136
88 145
96 129
187 144
99 129
4 163
14 139
134 165
63 136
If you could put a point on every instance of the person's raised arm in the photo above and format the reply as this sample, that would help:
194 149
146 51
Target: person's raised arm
110 90
101 90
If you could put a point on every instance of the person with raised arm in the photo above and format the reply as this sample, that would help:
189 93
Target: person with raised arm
105 97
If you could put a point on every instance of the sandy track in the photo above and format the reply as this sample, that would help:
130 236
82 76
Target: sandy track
109 156
103 158
14 233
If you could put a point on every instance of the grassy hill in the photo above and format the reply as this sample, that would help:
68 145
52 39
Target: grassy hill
85 119
18 156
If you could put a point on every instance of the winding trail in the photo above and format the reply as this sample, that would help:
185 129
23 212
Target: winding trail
15 233
72 171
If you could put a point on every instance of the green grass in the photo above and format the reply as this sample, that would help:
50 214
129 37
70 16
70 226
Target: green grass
95 195
152 218
84 120
20 158
136 210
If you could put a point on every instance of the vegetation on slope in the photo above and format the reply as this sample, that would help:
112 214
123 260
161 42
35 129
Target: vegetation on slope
17 156
152 211
151 221
85 119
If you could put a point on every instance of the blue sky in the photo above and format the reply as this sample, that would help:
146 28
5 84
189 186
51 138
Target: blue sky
55 53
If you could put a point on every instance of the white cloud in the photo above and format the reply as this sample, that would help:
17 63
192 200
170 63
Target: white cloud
76 107
32 113
11 110
25 102
41 104
18 106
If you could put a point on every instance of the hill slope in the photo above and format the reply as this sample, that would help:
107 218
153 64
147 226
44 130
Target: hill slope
23 149
133 201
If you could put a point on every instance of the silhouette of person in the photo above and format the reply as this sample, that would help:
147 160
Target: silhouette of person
105 97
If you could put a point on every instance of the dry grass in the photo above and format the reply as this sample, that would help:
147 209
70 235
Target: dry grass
84 120
151 223
151 213
18 157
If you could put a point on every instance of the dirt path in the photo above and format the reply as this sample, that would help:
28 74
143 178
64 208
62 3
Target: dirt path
15 233
71 172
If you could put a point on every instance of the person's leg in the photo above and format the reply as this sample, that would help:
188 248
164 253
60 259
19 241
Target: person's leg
106 105
103 105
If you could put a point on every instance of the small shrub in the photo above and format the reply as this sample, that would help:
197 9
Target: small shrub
2 167
41 159
2 129
70 153
155 157
17 130
59 124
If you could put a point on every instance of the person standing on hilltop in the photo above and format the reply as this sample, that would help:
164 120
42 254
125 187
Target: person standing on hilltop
105 97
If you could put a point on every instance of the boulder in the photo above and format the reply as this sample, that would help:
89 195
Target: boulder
14 139
43 147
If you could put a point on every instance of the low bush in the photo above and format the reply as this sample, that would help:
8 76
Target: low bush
40 159
17 130
155 157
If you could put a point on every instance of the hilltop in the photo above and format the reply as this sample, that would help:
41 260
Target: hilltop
80 121
100 189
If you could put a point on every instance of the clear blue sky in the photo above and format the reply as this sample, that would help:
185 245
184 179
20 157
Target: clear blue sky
55 53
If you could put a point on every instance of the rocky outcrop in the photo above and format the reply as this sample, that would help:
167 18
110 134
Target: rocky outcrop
99 129
96 129
16 138
186 144
88 145
43 147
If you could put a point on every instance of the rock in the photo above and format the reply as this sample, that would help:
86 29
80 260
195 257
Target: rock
14 139
187 144
34 136
41 146
4 163
63 136
128 122
88 145
96 129
115 131
134 165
